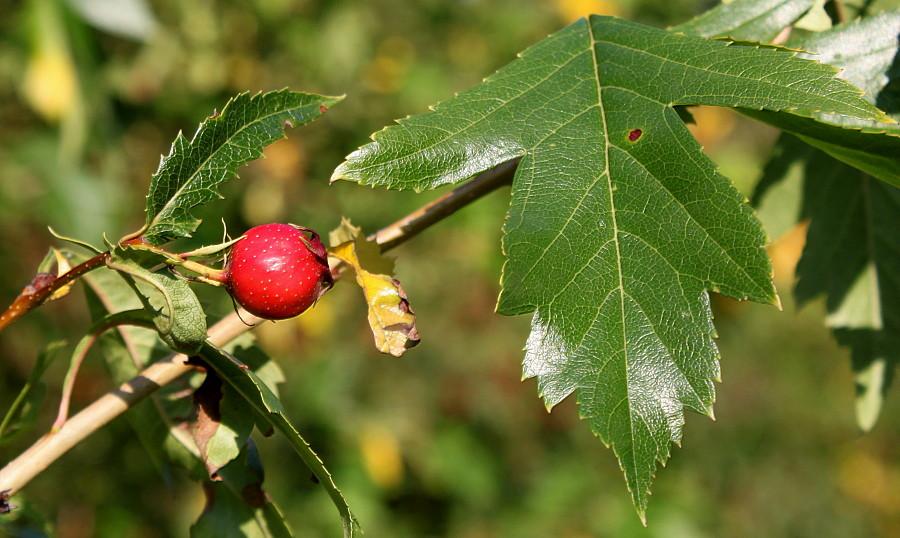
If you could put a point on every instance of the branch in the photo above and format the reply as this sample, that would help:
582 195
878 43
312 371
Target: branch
448 204
42 287
51 446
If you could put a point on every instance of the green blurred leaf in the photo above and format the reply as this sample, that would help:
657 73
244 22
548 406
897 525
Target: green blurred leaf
852 256
177 313
23 412
866 53
755 20
190 175
257 393
224 423
128 350
851 253
618 223
778 196
238 506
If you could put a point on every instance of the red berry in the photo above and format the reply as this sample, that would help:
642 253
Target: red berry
276 271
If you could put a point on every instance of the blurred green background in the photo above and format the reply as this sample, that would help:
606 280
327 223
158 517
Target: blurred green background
446 441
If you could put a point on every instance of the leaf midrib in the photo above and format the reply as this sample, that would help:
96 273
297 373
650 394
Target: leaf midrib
615 230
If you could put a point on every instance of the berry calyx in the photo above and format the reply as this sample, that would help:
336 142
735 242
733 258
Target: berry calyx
276 271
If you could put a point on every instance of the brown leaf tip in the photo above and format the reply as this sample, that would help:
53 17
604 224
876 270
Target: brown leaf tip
5 507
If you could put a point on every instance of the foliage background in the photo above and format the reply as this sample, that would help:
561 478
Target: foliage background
446 441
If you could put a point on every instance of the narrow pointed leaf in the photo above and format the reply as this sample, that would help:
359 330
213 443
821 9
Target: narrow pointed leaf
192 172
618 225
257 394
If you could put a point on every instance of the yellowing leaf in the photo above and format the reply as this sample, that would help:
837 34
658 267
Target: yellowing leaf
393 323
63 266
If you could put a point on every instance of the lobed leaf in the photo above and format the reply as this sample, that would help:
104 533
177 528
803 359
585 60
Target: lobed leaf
618 224
192 172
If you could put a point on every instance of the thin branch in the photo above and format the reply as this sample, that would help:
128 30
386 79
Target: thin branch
17 473
42 287
51 446
448 204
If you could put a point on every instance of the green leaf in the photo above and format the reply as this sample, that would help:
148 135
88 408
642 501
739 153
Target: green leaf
778 196
177 313
618 223
23 412
192 172
125 352
866 52
224 423
852 256
255 391
755 20
238 506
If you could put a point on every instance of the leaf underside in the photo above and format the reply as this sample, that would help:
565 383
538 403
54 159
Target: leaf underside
618 223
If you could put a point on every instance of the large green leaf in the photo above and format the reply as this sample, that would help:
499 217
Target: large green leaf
190 175
618 224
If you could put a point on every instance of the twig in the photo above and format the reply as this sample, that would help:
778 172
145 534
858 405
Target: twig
42 287
51 446
417 221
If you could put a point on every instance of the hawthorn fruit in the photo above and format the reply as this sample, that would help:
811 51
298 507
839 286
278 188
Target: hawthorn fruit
277 271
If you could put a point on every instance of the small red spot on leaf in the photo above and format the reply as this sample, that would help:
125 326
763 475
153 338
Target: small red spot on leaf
322 108
634 135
